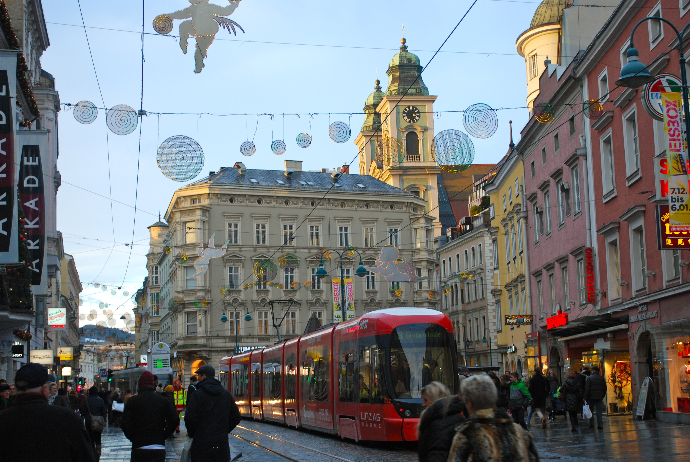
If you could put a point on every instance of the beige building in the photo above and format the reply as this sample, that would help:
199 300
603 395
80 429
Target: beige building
69 290
280 221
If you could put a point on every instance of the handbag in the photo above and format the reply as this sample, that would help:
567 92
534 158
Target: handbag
118 407
586 412
97 422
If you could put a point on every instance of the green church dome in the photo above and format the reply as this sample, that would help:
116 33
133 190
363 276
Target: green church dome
372 120
404 71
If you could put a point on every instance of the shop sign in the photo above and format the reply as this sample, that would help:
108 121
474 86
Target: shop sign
676 158
667 239
589 274
519 319
42 356
144 358
643 316
17 350
561 319
57 318
65 353
651 93
32 202
9 240
511 349
66 371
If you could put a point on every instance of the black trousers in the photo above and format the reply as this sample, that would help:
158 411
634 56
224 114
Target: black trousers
573 418
148 455
519 416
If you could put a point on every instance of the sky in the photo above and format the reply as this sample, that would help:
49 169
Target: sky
295 58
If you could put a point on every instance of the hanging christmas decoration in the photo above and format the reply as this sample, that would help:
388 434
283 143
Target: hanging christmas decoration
205 255
167 249
288 260
183 258
113 292
96 285
248 148
101 305
265 270
303 140
180 158
592 109
203 21
104 288
121 119
392 268
480 120
82 317
278 147
452 150
85 112
544 113
339 132
22 334
125 293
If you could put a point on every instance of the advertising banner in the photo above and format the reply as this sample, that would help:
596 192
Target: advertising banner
667 239
676 158
337 314
519 319
9 246
65 353
349 299
591 287
57 318
31 198
42 356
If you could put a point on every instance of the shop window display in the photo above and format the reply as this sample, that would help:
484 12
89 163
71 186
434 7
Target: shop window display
618 380
672 367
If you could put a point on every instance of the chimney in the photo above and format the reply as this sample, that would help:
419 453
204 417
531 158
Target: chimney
294 165
345 169
240 166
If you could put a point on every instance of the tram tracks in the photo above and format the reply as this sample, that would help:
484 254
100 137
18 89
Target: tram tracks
280 440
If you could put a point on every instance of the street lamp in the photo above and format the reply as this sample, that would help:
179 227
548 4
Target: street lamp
361 272
224 319
635 74
491 357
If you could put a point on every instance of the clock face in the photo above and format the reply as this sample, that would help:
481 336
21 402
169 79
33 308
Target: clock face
411 114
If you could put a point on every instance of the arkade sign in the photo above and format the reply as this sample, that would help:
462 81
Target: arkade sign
589 274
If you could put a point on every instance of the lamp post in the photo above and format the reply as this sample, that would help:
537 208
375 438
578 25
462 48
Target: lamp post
491 357
361 272
635 74
224 319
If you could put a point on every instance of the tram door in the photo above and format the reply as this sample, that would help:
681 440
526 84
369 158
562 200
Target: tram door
371 389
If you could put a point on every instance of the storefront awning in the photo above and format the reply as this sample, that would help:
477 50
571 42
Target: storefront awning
594 332
588 325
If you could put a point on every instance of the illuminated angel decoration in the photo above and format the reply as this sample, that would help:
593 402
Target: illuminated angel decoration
201 264
392 268
204 20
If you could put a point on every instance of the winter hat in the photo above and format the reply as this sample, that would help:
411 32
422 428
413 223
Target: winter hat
31 375
146 380
206 370
464 369
4 387
169 388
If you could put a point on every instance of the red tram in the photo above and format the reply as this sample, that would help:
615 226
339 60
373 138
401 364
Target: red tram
360 379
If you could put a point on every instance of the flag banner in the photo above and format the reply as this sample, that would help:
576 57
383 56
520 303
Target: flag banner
676 158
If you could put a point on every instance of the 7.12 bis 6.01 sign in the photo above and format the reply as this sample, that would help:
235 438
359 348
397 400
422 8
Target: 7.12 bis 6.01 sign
667 239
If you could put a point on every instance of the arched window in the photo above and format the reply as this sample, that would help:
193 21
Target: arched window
412 146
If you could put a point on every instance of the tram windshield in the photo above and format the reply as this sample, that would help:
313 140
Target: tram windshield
419 354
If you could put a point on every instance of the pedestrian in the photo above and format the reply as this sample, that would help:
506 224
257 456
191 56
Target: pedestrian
572 397
494 378
464 372
211 414
34 431
61 399
192 386
96 414
180 400
538 389
168 394
519 399
489 435
73 398
595 391
13 392
147 421
436 427
504 391
52 392
117 398
5 399
553 389
128 394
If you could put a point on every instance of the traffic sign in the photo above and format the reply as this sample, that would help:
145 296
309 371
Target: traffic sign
651 93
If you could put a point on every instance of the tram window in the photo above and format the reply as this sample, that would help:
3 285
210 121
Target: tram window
290 377
419 354
239 380
256 380
372 384
346 372
315 374
272 380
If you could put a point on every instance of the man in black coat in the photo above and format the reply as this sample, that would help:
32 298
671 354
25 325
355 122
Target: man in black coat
538 389
147 421
192 386
34 431
595 392
436 428
211 414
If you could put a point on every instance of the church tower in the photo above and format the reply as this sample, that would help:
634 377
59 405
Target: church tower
395 140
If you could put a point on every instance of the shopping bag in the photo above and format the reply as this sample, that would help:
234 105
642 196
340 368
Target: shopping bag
118 407
586 412
186 453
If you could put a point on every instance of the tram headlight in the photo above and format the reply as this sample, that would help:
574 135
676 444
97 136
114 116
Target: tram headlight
408 413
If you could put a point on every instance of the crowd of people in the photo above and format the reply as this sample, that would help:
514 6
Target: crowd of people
486 421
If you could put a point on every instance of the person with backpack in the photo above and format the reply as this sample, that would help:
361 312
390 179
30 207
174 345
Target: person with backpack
572 398
519 399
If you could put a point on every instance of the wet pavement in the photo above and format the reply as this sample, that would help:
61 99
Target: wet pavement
622 439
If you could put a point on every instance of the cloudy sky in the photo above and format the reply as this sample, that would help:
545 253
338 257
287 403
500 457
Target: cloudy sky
295 58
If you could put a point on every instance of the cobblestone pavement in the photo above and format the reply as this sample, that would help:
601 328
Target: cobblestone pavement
622 439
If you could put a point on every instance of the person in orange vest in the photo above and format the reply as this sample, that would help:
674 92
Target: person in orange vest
180 400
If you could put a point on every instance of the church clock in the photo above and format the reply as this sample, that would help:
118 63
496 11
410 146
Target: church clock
411 114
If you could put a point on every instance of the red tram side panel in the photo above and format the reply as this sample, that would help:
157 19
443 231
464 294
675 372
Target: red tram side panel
345 383
239 383
273 387
291 382
256 384
315 376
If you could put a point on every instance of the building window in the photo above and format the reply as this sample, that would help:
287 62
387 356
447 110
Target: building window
672 263
561 204
531 168
547 211
190 232
543 155
418 272
190 280
319 316
234 318
607 169
288 277
260 283
155 336
507 245
512 241
190 322
524 300
412 146
260 233
450 266
443 268
499 316
482 293
262 323
552 294
571 126
510 195
556 144
233 233
517 187
655 28
394 286
467 260
639 259
291 322
155 275
575 173
369 236
315 281
429 238
540 299
393 237
155 304
613 269
474 258
510 304
519 235
505 204
457 260
370 279
494 245
632 149
481 255
314 235
517 302
565 287
418 237
533 67
581 282
537 219
234 277
288 237
603 86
